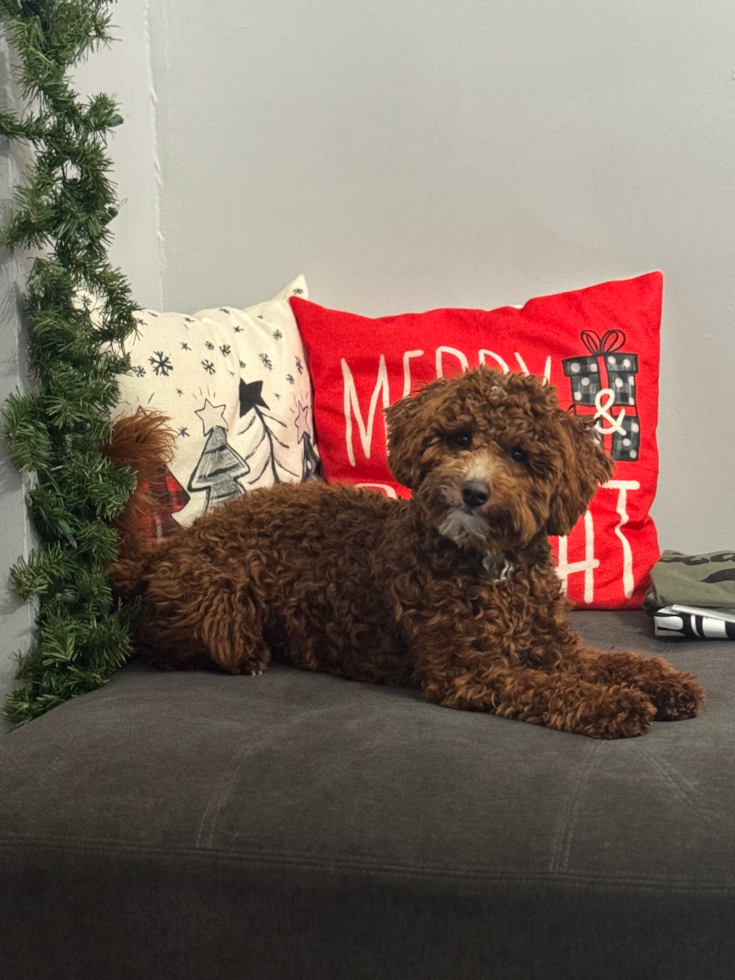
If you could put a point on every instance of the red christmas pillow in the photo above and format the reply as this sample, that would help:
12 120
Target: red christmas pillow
599 346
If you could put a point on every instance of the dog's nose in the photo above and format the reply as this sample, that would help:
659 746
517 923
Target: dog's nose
475 493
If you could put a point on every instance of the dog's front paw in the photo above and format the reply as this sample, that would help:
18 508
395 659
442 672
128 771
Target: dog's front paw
621 712
676 697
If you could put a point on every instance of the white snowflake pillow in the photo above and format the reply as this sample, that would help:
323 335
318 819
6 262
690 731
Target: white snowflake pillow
236 387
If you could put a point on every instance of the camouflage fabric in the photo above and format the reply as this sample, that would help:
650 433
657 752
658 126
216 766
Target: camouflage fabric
706 580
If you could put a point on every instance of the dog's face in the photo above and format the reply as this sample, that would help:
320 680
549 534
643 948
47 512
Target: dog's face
493 460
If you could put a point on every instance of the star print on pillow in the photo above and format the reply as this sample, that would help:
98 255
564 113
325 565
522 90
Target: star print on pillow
235 386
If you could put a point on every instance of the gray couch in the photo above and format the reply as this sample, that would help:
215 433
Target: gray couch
294 826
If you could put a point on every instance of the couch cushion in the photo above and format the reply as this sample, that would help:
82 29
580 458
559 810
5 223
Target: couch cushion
295 825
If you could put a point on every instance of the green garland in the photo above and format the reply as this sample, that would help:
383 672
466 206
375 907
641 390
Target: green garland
64 208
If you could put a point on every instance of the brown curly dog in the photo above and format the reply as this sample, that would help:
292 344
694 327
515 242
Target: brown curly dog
453 590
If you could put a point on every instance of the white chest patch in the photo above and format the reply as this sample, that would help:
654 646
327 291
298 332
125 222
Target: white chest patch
463 528
499 567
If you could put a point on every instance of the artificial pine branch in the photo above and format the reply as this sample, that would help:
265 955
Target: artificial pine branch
55 431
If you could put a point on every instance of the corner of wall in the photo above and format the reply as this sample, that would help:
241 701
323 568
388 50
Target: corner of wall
16 616
151 76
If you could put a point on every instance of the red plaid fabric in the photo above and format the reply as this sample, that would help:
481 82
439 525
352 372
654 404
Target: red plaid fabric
169 497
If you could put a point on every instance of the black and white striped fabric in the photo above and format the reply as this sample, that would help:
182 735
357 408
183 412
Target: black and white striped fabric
706 624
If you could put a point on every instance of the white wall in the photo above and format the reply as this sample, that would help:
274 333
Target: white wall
409 154
123 69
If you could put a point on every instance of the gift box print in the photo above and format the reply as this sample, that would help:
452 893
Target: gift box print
626 439
605 380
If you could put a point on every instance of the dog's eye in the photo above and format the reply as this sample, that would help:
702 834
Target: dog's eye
519 455
460 440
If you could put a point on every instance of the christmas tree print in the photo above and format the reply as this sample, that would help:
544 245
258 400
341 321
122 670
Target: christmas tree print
191 371
219 467
261 429
311 465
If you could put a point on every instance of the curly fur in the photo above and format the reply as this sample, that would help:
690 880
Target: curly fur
452 590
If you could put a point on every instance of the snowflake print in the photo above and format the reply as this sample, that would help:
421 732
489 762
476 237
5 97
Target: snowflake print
190 319
243 364
185 346
278 396
266 361
183 432
208 367
225 350
290 378
223 310
297 292
179 392
139 371
209 345
299 365
161 363
237 329
277 334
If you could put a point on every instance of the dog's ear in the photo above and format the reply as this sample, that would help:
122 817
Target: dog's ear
408 424
585 464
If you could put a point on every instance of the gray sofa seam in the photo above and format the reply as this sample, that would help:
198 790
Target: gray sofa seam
278 858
